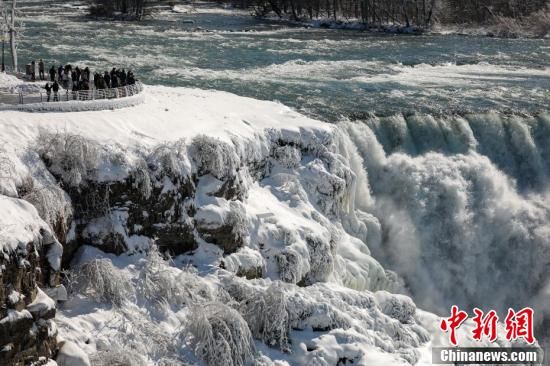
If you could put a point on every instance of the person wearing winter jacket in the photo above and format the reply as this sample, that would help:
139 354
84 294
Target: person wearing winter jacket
55 89
48 91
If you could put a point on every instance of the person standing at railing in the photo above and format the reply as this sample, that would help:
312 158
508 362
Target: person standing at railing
48 91
55 89
75 88
131 80
123 77
107 79
33 70
41 70
65 80
114 81
52 74
78 73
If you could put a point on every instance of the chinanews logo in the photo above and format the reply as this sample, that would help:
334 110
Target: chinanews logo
518 326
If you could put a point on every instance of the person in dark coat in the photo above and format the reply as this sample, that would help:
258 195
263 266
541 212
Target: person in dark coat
131 80
107 79
75 88
33 70
87 72
52 74
55 89
123 77
48 91
78 72
60 72
114 81
41 70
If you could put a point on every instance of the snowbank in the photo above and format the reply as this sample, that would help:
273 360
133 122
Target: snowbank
295 208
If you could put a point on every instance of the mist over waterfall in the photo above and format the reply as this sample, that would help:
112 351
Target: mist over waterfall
463 203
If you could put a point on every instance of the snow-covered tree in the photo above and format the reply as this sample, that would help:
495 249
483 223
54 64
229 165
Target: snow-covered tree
10 26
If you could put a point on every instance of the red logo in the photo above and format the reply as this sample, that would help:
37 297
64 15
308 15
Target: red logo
485 325
453 323
518 324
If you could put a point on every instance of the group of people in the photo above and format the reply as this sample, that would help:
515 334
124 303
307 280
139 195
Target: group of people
79 79
114 79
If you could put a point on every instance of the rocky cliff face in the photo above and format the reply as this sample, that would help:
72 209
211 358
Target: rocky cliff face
30 260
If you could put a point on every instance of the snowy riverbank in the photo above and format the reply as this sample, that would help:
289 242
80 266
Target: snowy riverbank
272 220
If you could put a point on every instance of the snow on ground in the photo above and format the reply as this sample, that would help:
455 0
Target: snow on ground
19 224
301 216
287 235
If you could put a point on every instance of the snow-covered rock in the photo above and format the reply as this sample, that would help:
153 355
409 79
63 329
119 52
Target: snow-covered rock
71 355
273 221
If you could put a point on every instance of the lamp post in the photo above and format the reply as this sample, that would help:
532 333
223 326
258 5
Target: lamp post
3 65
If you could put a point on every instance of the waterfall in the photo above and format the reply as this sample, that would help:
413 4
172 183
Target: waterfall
463 203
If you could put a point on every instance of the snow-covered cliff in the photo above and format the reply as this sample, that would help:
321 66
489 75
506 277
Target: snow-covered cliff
200 226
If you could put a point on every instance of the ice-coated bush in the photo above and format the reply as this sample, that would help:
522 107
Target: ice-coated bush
102 281
171 159
161 284
141 179
220 335
117 357
236 218
267 316
321 258
53 206
399 307
289 263
214 156
72 157
287 155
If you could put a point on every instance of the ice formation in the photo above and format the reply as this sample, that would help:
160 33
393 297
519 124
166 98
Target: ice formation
250 233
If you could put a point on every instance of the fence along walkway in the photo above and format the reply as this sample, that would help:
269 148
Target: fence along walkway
65 95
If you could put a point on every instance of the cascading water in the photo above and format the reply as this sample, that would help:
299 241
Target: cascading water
464 206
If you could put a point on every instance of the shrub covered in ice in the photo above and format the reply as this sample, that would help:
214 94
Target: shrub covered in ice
117 357
399 307
162 284
141 181
288 156
265 312
214 156
53 206
72 157
172 160
100 280
220 335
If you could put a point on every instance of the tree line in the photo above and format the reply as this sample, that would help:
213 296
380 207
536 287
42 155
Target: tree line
420 13
130 9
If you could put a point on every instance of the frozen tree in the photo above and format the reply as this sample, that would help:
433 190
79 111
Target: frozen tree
100 280
220 334
72 157
11 26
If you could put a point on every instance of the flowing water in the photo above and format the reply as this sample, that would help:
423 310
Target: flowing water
325 73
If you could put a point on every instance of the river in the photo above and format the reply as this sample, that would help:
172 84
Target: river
329 74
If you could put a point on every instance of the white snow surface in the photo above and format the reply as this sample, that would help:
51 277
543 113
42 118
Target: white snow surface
72 355
312 220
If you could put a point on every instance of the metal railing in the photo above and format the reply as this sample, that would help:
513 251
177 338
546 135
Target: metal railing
65 95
